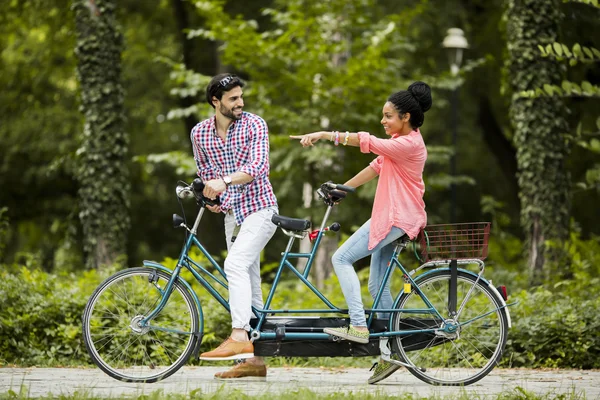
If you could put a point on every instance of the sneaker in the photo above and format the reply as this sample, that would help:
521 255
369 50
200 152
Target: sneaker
230 350
244 371
349 333
383 369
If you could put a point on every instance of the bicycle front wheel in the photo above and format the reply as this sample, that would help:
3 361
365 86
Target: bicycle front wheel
125 349
463 354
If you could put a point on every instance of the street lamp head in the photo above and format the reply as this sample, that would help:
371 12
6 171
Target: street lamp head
455 42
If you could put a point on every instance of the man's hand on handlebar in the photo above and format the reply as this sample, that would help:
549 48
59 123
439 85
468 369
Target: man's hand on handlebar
213 188
215 208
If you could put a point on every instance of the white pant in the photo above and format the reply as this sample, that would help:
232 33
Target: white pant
242 265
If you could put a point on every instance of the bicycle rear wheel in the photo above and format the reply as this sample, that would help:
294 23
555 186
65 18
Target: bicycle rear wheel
127 351
451 358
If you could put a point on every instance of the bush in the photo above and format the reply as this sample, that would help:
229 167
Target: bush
554 329
557 325
40 316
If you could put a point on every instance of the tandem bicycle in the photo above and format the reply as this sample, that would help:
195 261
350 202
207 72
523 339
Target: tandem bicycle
448 325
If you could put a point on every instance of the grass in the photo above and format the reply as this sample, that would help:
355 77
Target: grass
517 393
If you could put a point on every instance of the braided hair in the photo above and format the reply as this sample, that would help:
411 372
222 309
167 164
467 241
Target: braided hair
220 84
416 100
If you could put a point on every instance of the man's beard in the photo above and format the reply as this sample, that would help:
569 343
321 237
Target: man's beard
229 114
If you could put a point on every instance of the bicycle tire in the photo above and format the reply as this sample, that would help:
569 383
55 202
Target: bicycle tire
121 348
455 359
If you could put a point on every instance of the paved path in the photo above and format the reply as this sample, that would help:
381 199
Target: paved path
43 381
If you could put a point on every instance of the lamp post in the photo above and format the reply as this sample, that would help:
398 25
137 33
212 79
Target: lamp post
454 43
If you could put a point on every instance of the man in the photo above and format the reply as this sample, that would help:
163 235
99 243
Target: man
231 151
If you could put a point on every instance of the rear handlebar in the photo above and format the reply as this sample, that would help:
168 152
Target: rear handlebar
337 186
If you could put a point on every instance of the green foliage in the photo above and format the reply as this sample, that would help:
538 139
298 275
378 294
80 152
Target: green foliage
589 141
181 162
553 329
538 123
102 170
579 53
566 89
593 3
231 393
556 326
38 110
315 65
40 316
4 224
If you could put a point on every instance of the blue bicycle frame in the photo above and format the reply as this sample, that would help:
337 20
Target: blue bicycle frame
201 274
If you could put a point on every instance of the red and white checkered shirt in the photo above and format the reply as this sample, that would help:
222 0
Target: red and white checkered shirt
245 149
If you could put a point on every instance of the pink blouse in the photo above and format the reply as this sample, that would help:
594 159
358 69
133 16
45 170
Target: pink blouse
399 196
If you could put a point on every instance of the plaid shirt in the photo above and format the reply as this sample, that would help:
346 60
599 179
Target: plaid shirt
245 149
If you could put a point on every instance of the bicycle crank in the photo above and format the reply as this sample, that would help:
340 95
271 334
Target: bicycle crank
386 355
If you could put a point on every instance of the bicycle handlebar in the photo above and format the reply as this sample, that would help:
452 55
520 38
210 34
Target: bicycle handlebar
195 190
337 186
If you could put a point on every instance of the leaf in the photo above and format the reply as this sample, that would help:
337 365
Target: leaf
549 89
595 145
575 88
558 48
587 88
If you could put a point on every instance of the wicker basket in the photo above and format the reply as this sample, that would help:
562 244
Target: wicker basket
454 241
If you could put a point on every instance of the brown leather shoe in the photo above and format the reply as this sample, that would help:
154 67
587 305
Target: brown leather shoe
230 350
244 371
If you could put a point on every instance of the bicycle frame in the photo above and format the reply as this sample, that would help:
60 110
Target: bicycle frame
197 270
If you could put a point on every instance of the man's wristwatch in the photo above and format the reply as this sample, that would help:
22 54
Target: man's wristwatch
227 180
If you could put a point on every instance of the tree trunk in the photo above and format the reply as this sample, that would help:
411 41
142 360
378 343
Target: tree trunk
102 168
539 123
305 244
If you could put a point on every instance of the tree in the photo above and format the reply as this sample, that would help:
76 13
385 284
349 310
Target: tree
319 65
538 124
38 110
102 171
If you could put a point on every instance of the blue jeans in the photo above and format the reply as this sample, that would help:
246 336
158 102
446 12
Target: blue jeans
353 249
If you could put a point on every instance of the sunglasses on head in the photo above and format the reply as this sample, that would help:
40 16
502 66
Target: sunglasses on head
226 81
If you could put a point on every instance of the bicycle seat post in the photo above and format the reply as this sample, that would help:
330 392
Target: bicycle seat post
401 244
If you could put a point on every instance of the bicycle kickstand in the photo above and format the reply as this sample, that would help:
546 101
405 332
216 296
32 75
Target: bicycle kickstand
386 355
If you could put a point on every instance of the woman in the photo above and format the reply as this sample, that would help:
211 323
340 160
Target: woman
398 208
